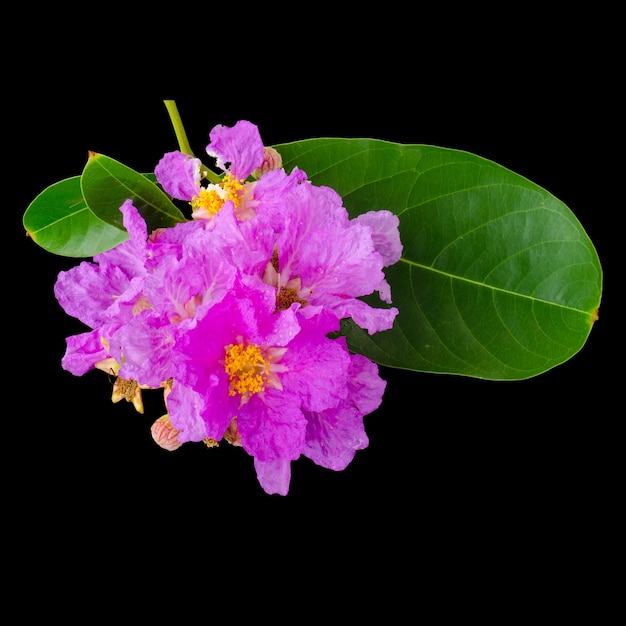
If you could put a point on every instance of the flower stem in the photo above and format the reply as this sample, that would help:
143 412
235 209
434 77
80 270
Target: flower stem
181 137
179 129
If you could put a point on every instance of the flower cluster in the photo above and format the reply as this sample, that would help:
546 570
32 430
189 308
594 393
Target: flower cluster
236 312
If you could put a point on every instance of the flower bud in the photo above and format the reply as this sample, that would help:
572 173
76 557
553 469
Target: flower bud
164 434
271 161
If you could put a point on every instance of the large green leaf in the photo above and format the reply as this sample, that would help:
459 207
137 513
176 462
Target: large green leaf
106 184
498 279
60 221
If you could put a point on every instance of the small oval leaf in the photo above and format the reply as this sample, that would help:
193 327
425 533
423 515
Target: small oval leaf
60 221
498 279
106 184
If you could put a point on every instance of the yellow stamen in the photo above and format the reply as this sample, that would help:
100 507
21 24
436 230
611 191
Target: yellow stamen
247 369
232 187
208 201
211 199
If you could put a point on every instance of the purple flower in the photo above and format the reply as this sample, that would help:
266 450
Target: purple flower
238 151
180 290
138 296
97 292
325 260
231 313
104 295
278 379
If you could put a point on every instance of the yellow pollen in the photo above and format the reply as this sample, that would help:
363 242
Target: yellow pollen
211 199
247 369
232 187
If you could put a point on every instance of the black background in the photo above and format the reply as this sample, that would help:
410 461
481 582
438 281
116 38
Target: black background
459 474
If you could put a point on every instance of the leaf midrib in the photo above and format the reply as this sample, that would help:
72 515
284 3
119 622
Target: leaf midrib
493 288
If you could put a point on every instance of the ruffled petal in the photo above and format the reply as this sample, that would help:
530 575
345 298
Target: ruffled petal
83 352
237 149
274 188
179 175
385 234
370 318
88 291
317 366
185 407
274 476
144 346
334 436
272 427
366 387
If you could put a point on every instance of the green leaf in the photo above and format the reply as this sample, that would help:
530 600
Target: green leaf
59 220
106 184
498 279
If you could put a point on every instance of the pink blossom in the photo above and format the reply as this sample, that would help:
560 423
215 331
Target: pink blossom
299 399
232 312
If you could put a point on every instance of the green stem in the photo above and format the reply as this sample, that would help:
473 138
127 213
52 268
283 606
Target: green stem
179 129
181 137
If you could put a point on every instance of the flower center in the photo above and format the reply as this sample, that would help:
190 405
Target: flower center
286 296
211 198
248 370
